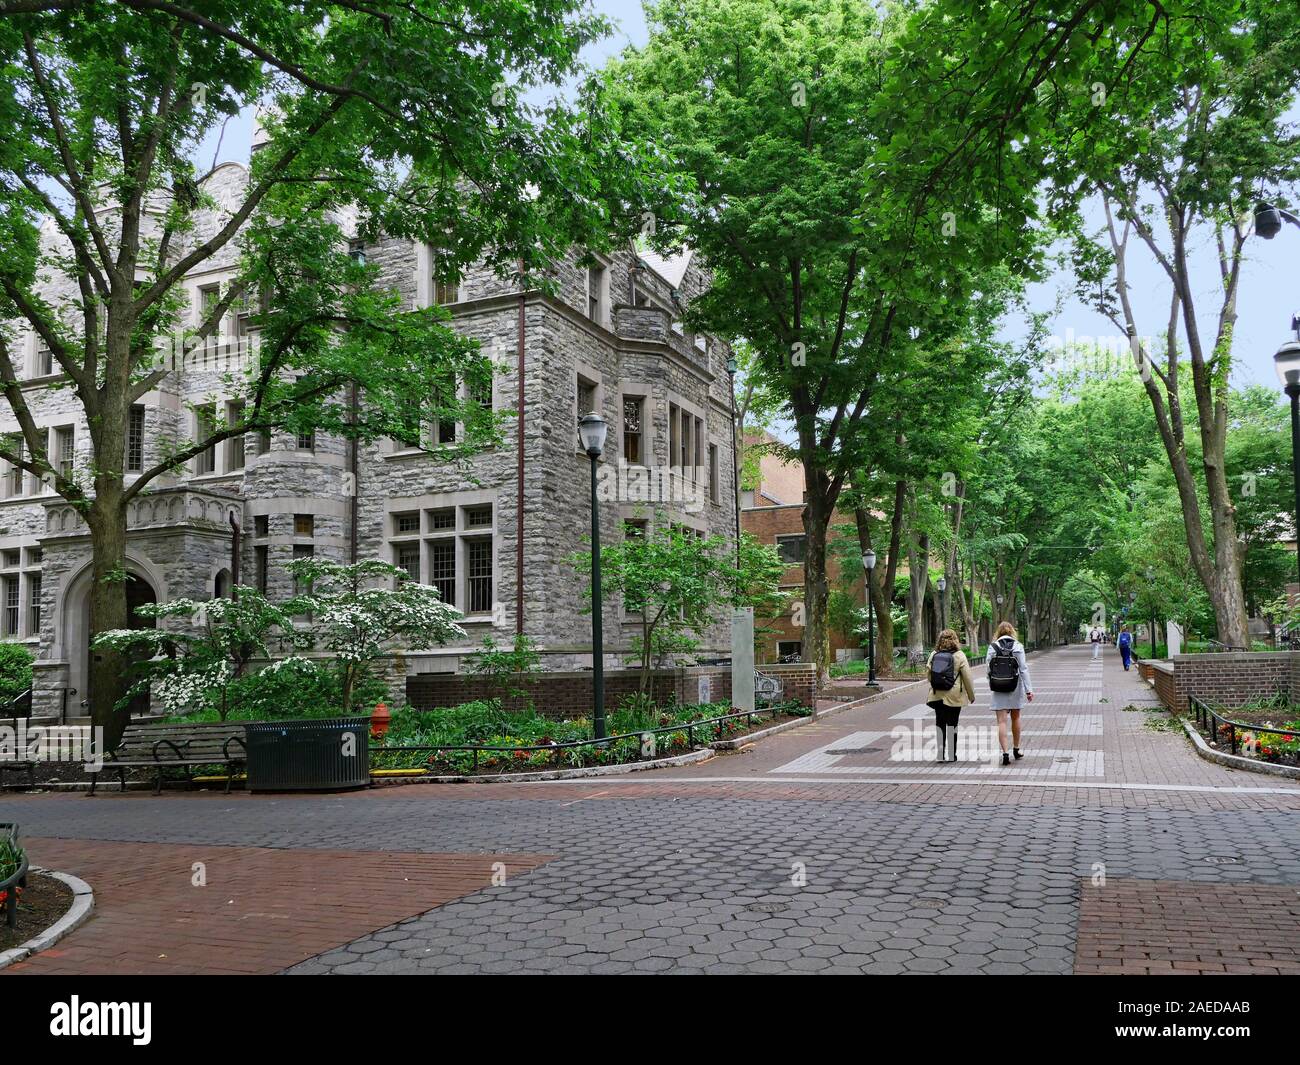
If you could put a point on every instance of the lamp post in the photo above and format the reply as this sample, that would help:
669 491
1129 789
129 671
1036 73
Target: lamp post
735 456
942 585
869 564
592 428
1287 363
1001 599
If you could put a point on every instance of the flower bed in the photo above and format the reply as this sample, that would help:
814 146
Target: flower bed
504 742
1268 731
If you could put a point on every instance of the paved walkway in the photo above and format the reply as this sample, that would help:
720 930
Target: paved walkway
812 851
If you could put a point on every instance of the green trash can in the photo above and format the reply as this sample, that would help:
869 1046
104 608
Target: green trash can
319 754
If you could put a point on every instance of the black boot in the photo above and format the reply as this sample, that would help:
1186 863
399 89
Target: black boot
1006 758
1017 753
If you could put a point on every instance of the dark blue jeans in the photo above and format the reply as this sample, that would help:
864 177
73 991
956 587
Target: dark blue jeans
1126 653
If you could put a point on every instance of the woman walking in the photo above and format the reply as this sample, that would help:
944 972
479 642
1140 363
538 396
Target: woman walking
951 688
1008 677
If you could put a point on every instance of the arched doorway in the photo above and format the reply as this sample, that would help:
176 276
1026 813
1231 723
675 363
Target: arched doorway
138 593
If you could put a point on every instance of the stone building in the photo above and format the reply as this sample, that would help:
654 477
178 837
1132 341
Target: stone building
492 534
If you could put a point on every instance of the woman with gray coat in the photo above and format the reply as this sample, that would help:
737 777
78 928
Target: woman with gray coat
1009 685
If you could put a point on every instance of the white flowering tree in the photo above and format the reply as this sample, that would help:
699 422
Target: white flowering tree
358 612
200 647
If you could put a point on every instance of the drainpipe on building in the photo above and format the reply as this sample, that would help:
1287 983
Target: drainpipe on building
234 557
519 507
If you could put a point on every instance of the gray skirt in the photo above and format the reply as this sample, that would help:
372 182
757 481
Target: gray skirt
1009 700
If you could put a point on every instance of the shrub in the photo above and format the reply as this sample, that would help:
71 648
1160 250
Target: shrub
15 670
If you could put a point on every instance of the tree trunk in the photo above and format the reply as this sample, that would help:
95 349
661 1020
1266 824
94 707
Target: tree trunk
816 520
108 669
918 565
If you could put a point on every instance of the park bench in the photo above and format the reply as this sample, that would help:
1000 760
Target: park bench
10 714
177 745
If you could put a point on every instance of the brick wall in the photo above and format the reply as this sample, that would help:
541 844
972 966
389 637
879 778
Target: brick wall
1227 680
569 694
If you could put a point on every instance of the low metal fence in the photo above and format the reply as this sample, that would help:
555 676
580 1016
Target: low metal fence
1266 742
690 728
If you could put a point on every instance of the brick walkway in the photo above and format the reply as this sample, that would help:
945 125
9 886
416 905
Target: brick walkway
808 852
260 910
1136 927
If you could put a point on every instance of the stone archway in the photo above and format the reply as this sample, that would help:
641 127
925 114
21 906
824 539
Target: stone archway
139 592
72 624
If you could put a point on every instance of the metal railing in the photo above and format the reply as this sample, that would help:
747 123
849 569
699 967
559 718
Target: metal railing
10 847
690 728
1216 727
1215 647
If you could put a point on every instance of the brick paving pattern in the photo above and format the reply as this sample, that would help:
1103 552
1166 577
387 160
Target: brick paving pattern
750 863
1136 927
259 910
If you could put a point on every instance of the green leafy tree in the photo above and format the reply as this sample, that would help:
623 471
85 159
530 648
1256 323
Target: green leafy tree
407 116
677 584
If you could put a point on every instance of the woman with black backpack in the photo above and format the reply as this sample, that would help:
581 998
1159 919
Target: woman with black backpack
951 688
1008 677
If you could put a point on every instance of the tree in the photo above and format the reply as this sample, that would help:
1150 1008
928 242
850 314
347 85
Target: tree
202 648
676 584
403 115
1204 130
810 191
357 612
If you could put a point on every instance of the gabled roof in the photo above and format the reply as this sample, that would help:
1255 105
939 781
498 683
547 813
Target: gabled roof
672 269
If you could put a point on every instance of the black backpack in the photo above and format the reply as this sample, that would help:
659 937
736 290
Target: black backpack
943 671
1004 670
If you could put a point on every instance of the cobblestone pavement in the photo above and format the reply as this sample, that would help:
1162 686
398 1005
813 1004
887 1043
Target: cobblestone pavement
808 853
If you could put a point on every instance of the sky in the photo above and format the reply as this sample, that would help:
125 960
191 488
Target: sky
1269 291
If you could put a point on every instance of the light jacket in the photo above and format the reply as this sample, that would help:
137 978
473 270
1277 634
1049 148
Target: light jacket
960 694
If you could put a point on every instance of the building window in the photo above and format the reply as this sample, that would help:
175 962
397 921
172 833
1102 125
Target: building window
596 294
12 558
44 359
442 519
408 558
135 439
479 575
714 488
406 523
11 606
304 525
791 549
789 650
300 586
357 251
65 442
205 424
18 446
307 441
261 525
444 290
442 569
34 603
209 297
478 517
261 554
674 436
633 450
235 456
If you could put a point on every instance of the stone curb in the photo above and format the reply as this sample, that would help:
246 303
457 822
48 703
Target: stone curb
1236 761
83 904
702 755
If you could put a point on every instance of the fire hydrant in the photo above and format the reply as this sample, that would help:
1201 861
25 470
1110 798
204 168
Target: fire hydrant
379 720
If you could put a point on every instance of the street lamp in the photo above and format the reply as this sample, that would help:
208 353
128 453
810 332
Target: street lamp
869 564
591 430
1287 363
942 585
1269 219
